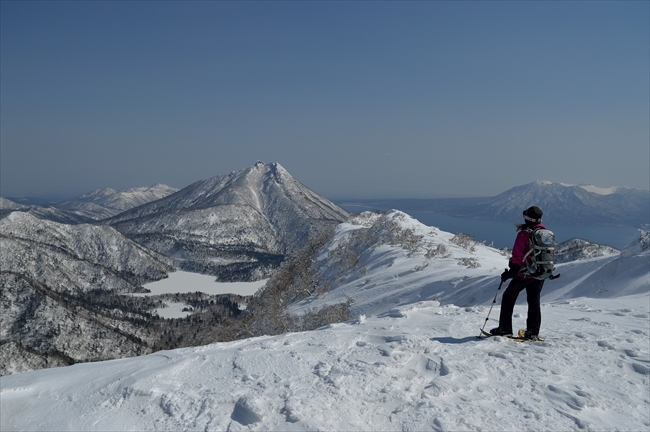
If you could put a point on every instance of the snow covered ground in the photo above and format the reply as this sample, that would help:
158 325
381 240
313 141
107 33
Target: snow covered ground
409 361
419 367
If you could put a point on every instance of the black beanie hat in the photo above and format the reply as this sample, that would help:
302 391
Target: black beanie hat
533 215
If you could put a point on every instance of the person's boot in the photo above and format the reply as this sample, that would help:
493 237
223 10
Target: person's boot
498 331
530 336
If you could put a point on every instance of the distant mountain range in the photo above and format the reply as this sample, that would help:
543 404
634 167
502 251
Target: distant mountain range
561 203
90 207
64 273
237 226
104 203
93 206
47 213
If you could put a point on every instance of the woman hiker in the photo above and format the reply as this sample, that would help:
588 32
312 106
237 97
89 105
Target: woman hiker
520 280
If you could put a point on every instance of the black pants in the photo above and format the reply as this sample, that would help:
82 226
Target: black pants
533 289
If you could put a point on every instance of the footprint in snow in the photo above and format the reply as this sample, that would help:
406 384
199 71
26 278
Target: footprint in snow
619 313
246 412
576 400
631 353
640 369
432 365
606 344
497 354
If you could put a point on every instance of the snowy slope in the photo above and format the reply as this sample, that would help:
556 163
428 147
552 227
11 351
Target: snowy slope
406 363
362 262
388 260
419 368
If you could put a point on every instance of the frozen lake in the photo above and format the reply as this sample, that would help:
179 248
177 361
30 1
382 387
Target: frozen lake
187 282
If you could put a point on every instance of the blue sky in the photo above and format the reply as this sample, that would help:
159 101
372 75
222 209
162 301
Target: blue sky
355 99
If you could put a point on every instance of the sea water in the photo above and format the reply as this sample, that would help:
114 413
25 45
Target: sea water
500 234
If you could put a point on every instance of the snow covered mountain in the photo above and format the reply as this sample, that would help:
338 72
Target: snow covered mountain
104 203
53 276
409 360
68 257
237 226
561 203
577 204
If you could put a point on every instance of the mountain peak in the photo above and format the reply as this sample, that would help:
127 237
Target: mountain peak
272 168
585 186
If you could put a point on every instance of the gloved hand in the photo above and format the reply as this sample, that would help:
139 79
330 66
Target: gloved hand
510 272
506 275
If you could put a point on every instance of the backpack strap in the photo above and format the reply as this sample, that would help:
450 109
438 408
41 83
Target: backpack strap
525 269
530 243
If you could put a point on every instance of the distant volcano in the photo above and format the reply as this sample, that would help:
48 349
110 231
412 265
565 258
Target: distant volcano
237 226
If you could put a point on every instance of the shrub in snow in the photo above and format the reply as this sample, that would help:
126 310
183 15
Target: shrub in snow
440 251
376 230
469 262
464 241
296 279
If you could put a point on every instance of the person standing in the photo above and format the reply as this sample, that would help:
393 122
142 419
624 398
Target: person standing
517 271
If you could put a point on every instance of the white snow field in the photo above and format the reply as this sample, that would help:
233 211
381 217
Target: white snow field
407 362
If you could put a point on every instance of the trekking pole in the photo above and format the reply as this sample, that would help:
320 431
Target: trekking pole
490 311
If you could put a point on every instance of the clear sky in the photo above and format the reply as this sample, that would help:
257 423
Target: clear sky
355 99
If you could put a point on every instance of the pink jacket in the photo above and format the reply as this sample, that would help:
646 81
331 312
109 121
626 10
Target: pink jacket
521 247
